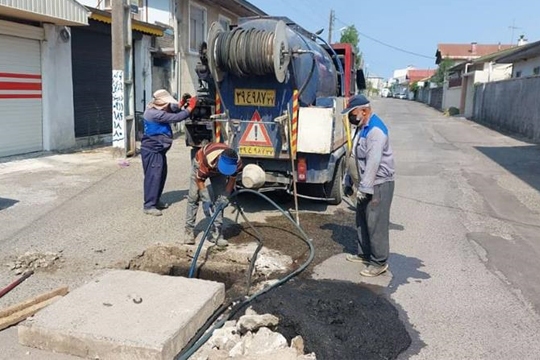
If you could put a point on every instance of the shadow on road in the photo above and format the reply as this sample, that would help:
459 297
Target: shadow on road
172 197
6 203
522 161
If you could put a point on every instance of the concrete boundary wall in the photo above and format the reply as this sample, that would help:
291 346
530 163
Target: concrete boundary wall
512 105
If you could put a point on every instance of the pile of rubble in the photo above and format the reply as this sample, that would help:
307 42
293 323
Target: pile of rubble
33 261
251 338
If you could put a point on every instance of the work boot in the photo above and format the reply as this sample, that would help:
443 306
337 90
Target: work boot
162 205
189 237
153 212
358 258
374 270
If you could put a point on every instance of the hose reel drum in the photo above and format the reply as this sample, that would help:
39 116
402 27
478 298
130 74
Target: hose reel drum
248 51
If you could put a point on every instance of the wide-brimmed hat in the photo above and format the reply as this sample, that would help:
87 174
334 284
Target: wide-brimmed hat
162 98
356 101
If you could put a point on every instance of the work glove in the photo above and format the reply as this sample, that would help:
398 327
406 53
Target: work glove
185 99
192 103
222 201
208 208
360 196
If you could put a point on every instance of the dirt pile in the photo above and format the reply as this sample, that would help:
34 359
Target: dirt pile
35 260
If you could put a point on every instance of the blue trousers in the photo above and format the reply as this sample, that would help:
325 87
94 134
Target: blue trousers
154 161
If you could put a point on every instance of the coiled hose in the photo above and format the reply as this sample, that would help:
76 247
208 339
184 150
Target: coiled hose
245 52
234 306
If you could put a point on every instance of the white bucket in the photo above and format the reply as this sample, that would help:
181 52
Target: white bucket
253 176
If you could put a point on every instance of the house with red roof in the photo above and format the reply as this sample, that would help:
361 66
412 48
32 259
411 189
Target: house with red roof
461 55
466 52
415 75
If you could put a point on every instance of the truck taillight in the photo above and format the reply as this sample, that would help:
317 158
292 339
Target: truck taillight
302 169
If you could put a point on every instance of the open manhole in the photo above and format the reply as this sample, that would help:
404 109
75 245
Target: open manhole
337 319
230 266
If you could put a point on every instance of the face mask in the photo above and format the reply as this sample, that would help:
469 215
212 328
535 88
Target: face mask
352 119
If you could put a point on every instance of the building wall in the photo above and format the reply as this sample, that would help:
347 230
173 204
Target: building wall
451 97
188 81
511 105
58 113
499 72
526 67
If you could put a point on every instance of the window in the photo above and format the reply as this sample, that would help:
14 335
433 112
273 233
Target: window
536 70
225 22
518 73
197 27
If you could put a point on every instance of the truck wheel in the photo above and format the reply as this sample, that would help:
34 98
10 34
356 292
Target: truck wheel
334 188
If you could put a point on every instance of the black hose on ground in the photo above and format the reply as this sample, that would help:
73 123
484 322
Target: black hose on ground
196 343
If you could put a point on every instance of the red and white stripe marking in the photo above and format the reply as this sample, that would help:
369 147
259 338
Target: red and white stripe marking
20 86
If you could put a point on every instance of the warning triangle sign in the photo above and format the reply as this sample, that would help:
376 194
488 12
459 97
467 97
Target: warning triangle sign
256 133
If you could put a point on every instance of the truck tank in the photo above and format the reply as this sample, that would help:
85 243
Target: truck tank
257 67
304 64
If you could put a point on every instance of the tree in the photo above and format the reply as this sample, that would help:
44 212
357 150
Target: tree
350 36
440 75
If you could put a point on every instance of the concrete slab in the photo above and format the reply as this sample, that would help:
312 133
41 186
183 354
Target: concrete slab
125 314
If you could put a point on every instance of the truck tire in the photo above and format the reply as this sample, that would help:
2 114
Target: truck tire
334 188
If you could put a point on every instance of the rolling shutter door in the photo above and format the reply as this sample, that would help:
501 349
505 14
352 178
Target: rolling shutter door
92 81
21 121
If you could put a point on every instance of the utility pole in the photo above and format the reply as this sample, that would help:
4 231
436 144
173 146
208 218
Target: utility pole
331 25
123 118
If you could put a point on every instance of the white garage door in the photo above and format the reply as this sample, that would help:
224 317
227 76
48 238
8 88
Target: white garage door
21 125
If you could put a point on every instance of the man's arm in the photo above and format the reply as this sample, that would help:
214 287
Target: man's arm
229 188
167 117
375 145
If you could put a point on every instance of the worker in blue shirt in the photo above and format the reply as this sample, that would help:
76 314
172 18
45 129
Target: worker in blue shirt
374 175
160 113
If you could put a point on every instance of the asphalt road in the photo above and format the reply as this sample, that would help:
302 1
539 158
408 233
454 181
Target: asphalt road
464 241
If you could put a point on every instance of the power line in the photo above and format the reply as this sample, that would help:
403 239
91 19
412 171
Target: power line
388 45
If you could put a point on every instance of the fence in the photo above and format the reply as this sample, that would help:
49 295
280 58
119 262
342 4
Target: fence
436 98
511 105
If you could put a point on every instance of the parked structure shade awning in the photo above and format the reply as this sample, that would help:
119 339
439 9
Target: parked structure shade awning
140 26
59 12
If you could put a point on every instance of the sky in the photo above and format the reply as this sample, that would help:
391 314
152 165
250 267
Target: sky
414 26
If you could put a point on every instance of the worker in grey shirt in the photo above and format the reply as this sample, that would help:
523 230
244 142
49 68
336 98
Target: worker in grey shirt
375 187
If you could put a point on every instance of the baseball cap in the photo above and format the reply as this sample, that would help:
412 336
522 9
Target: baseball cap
355 101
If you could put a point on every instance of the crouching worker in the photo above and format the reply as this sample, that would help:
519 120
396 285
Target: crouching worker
220 164
161 112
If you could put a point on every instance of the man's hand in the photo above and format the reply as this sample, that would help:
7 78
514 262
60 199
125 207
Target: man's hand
208 208
222 201
360 196
192 104
184 100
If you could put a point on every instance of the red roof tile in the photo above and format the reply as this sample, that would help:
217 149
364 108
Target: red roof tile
417 75
458 51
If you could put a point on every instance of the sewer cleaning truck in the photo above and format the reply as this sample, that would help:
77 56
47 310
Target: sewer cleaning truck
280 91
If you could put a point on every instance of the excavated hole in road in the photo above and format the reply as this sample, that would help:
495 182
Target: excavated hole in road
338 320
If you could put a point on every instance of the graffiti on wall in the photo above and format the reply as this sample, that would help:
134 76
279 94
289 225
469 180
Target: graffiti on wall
118 109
